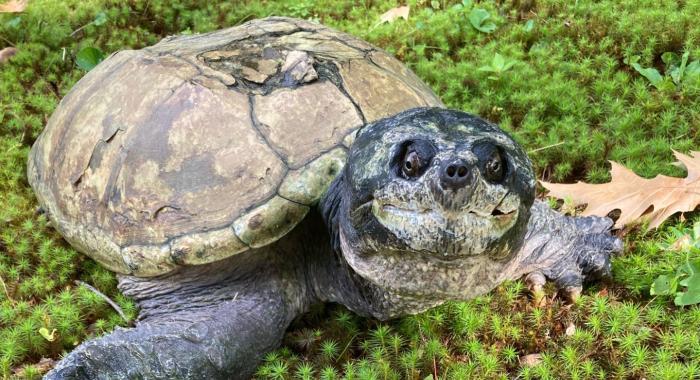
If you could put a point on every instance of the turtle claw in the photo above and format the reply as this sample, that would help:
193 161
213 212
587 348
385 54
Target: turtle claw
588 259
570 288
535 282
572 293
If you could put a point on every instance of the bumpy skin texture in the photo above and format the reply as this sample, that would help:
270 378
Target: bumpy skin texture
205 323
215 321
566 250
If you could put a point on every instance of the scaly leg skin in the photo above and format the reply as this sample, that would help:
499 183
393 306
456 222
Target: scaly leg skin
208 322
566 250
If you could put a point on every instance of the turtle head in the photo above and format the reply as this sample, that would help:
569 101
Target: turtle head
432 202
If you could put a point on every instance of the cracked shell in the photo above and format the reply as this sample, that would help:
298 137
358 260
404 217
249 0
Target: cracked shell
204 146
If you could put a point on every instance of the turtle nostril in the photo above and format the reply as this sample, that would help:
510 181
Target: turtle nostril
455 174
459 171
462 171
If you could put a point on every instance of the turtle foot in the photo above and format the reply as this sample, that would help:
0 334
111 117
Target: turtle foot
569 251
207 322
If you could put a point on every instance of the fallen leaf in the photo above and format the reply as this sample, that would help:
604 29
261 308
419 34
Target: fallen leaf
394 13
570 329
7 53
530 360
50 336
637 198
13 6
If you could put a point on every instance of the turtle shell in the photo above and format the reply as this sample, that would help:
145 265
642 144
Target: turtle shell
204 146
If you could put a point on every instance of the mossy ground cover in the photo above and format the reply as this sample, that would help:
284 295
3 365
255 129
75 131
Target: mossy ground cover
564 88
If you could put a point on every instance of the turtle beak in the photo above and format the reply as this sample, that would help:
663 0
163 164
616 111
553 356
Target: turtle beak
453 183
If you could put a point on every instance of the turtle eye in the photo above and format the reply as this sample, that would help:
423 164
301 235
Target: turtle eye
494 169
414 158
411 164
492 161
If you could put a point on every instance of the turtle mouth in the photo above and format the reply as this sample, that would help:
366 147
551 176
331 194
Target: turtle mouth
445 233
373 204
497 214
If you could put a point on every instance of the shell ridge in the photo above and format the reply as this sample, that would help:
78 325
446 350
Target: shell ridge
256 125
418 92
341 87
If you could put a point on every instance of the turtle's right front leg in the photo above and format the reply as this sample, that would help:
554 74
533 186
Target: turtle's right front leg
194 325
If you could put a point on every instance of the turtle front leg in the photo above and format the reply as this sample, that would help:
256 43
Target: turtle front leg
566 250
198 324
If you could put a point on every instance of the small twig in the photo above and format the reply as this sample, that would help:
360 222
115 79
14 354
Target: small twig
546 147
242 19
348 345
145 9
8 41
435 373
81 28
648 303
4 287
109 301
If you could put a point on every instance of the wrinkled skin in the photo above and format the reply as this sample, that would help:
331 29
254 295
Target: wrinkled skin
388 239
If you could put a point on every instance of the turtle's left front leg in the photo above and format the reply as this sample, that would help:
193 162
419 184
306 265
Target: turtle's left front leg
567 250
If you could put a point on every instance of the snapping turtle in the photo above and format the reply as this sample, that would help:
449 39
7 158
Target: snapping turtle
223 176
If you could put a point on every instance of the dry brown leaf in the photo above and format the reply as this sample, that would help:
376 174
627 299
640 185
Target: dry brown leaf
394 13
13 6
530 360
7 53
637 198
570 329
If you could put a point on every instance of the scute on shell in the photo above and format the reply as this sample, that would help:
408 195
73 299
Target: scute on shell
204 146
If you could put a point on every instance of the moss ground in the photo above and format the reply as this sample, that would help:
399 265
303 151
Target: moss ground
570 97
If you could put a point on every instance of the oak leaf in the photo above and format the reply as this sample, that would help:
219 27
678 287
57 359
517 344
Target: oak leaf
637 198
394 13
13 6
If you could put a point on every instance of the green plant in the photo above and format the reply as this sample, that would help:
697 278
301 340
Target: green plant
684 284
89 57
650 73
497 67
305 371
480 20
329 350
687 276
677 68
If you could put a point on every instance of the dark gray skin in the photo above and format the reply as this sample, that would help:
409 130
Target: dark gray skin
364 247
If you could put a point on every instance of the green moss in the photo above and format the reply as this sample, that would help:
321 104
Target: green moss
569 97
